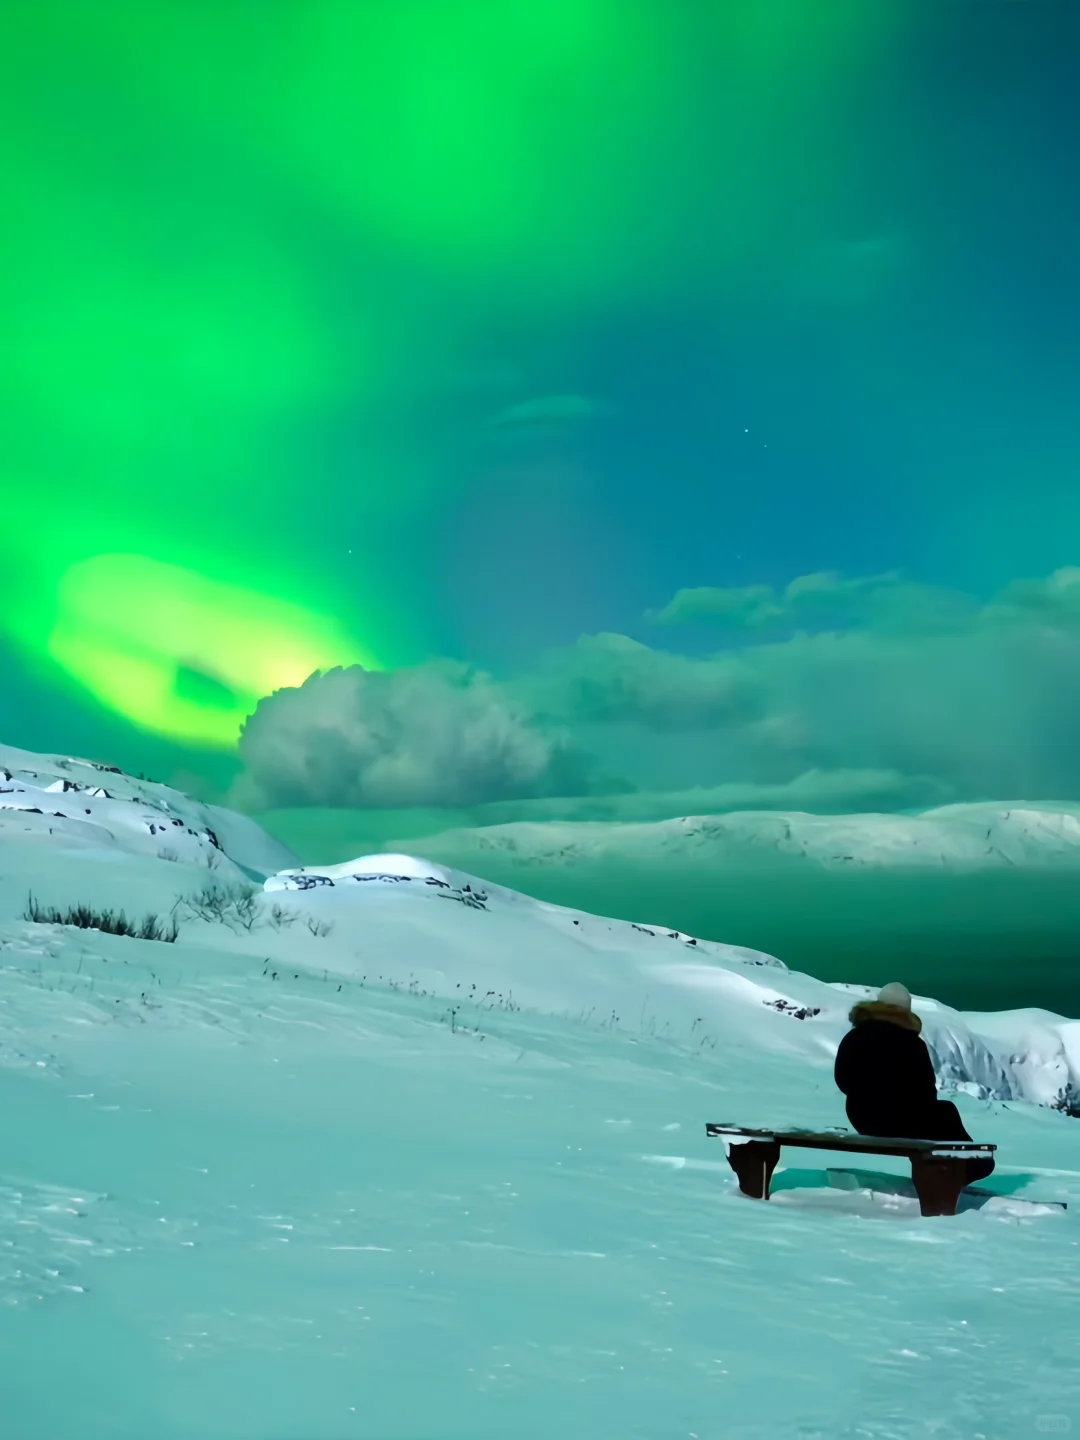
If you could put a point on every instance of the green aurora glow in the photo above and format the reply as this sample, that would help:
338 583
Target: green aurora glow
139 635
216 215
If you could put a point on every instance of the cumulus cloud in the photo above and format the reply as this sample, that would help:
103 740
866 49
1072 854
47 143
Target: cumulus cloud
438 735
867 674
611 678
822 601
1055 601
873 694
826 601
747 607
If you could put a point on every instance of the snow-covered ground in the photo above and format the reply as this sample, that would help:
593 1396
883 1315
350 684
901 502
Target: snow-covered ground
382 1150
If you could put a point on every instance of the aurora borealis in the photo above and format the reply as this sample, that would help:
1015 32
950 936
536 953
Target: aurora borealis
284 288
127 627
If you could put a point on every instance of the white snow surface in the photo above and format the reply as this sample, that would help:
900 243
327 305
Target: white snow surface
382 1150
96 808
1023 1055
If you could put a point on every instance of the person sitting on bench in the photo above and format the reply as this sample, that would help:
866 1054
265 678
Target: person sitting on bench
884 1069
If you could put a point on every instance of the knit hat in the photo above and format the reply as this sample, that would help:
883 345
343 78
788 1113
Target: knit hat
895 994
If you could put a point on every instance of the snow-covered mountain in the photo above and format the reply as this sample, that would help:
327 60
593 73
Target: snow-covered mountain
379 1148
953 837
87 807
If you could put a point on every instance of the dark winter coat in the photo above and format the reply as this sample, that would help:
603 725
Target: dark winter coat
885 1070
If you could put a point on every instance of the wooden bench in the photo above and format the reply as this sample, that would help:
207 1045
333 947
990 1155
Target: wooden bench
938 1167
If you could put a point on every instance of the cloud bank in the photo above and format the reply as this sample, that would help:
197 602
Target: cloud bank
872 692
437 735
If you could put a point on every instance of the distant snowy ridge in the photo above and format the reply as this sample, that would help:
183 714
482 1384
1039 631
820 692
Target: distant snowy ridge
961 836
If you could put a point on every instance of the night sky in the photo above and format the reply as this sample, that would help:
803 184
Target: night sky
435 335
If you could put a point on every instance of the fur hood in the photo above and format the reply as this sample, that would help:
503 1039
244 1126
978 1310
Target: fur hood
894 1014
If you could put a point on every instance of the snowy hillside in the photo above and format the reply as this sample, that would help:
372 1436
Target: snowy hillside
83 806
952 837
567 962
379 1149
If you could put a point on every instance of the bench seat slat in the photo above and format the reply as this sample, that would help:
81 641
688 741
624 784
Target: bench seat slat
846 1140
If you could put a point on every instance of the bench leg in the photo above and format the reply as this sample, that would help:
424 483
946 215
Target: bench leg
754 1162
938 1182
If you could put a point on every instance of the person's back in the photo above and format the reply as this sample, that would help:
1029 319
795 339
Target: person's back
887 1076
884 1068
